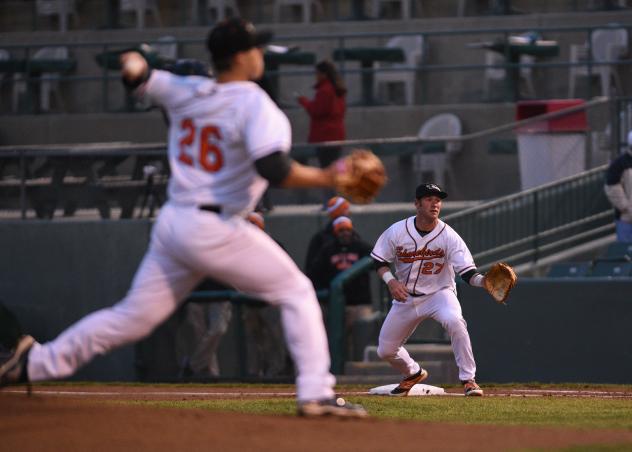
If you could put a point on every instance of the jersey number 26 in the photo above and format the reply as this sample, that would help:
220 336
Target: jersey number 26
209 156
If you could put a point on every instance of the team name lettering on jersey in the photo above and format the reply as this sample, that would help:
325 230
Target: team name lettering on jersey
418 255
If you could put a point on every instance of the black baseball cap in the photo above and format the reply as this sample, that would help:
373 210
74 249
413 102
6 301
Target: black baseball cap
234 35
430 190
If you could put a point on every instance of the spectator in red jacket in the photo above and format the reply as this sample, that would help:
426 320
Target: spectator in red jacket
326 111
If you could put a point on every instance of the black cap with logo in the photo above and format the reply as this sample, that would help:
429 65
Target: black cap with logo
430 190
234 35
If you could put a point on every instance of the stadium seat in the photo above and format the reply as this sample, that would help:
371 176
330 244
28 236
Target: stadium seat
48 81
495 73
619 250
569 270
61 8
413 51
405 6
612 269
222 9
139 8
306 6
435 157
607 46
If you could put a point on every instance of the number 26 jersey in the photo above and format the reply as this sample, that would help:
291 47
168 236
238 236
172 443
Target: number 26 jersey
216 132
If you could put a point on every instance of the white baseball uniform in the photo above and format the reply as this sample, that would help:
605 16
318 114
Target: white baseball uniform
426 265
217 131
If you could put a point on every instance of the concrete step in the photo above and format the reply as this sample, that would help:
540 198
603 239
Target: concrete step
419 352
440 372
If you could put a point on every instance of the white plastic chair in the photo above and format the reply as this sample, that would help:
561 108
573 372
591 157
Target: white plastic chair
413 51
140 8
442 125
495 73
166 46
607 45
61 8
222 9
405 6
49 81
306 6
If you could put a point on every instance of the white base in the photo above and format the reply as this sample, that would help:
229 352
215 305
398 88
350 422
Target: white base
417 390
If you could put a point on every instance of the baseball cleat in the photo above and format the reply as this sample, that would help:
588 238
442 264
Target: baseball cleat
13 366
331 407
472 389
407 383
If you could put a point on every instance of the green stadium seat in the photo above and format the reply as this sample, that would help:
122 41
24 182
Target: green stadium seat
619 250
569 269
612 269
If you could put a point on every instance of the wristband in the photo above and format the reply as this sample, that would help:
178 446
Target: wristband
387 277
477 280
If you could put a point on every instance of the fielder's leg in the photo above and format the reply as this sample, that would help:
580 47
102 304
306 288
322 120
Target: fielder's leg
399 324
447 311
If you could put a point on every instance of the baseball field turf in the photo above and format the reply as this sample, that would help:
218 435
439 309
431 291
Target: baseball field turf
72 416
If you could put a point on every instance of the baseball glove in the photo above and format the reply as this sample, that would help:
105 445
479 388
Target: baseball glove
499 281
359 176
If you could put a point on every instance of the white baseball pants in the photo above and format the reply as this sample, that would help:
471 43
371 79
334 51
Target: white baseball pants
403 319
188 244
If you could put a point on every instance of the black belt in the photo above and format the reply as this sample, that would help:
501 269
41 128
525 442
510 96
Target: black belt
413 294
211 208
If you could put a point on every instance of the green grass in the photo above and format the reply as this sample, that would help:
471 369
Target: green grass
588 413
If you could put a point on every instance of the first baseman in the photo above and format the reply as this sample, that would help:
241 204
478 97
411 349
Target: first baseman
227 141
426 253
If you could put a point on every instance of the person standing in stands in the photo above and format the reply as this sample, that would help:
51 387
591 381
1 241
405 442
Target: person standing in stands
326 111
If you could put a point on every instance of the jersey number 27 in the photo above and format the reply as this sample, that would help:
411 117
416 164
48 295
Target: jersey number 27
209 156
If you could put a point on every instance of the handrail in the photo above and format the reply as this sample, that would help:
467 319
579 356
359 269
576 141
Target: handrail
112 148
336 313
523 194
532 222
334 36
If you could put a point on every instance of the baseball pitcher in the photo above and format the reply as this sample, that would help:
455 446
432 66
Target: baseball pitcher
227 141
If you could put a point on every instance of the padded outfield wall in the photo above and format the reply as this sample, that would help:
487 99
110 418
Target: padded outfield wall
53 273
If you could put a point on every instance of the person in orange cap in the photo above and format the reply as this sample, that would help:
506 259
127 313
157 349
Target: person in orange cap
337 206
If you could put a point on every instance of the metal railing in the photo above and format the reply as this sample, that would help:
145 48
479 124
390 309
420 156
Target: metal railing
536 223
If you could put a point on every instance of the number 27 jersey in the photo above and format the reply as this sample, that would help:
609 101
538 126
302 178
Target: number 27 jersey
424 264
216 132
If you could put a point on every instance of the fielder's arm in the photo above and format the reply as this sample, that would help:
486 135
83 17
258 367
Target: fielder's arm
397 289
281 171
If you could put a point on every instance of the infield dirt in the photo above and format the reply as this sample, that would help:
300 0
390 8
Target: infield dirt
47 422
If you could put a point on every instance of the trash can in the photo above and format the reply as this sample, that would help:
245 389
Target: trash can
551 149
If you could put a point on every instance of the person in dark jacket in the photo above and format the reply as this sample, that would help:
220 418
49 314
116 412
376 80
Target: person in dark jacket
326 111
337 256
336 206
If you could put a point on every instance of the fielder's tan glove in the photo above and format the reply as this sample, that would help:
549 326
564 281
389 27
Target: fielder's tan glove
499 281
359 176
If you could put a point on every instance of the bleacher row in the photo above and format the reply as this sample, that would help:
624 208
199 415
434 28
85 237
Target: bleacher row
614 263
